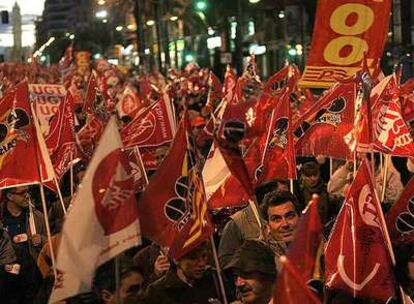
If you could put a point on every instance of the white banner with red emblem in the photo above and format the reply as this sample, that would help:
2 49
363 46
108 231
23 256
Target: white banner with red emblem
46 98
103 221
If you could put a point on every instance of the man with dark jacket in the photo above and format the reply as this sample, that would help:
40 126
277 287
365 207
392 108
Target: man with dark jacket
7 257
190 281
22 283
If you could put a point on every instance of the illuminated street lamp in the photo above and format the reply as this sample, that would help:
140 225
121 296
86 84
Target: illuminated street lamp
254 1
201 5
101 14
173 18
150 22
119 28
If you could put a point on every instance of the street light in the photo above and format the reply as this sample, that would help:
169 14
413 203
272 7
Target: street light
150 22
173 18
254 1
201 5
119 28
101 14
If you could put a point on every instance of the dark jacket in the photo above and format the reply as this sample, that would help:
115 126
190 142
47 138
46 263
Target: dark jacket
7 254
170 289
145 260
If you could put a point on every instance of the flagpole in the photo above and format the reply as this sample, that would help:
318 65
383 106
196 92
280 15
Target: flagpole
291 185
62 203
268 137
387 240
36 134
384 178
218 269
255 209
117 280
71 174
142 164
330 167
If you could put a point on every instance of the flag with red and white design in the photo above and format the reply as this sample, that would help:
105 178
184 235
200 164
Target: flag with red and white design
103 221
321 130
222 188
61 140
356 256
176 217
272 155
400 218
154 127
21 139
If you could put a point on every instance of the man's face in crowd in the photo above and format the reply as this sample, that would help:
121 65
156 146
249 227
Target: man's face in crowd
19 196
130 285
282 221
311 179
254 288
194 264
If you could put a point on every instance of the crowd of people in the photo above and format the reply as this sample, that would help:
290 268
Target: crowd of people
249 249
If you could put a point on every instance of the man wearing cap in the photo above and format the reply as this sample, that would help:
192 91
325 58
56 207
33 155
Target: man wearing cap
255 268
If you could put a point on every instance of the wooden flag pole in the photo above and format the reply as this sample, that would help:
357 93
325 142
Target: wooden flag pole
384 177
71 175
388 240
62 203
117 280
218 269
36 133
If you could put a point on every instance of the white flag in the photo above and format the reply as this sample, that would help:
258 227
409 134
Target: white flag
103 221
215 171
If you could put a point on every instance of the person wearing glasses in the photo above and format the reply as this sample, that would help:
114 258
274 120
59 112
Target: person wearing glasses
26 228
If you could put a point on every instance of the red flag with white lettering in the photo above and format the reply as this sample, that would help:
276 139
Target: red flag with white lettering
61 141
152 128
391 133
356 256
21 140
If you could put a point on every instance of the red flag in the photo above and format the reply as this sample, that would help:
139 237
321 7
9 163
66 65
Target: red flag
232 156
293 288
272 155
91 90
177 216
90 134
277 82
136 168
151 128
22 159
215 92
299 265
400 218
229 86
391 133
356 256
222 188
61 141
129 103
67 58
321 130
